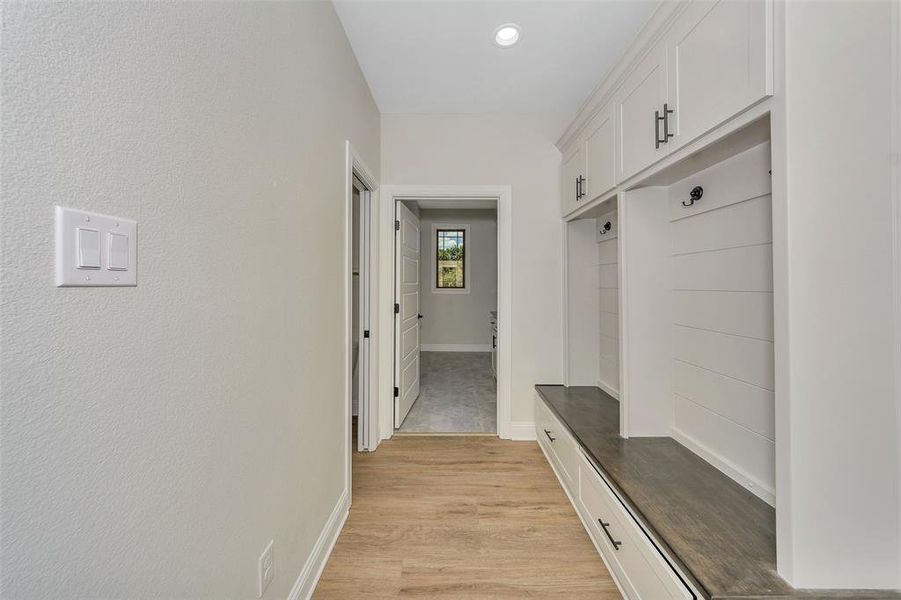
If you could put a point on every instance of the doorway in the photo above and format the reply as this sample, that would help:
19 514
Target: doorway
361 301
446 294
430 363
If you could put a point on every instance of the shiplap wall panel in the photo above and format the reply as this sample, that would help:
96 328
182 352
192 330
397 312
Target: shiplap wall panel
745 175
740 313
608 254
723 371
751 406
746 456
608 290
745 269
743 224
608 273
610 301
743 358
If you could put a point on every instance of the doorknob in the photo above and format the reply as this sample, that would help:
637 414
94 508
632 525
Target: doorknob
419 316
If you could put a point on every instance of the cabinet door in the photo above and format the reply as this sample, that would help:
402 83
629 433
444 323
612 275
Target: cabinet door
643 93
573 169
600 152
718 64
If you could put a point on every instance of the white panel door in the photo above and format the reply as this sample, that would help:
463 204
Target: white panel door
718 64
641 96
600 150
406 317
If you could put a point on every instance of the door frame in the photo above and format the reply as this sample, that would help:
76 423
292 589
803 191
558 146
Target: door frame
355 167
388 195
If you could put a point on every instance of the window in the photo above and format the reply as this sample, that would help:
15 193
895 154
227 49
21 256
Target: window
450 262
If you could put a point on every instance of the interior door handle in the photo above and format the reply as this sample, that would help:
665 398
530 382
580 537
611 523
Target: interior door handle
419 316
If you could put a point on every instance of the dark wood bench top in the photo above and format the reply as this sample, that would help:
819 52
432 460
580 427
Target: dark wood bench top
722 535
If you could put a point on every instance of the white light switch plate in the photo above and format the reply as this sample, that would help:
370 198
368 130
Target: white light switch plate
76 262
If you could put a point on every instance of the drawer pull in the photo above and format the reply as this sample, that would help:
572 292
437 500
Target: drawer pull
548 434
604 526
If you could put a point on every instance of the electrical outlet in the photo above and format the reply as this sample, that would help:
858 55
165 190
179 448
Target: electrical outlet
266 569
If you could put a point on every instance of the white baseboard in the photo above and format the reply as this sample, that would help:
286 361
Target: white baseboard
609 390
522 430
455 347
322 549
754 486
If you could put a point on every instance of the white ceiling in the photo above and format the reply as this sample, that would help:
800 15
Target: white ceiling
439 56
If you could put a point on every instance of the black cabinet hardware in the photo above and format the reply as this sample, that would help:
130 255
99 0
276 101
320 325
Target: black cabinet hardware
548 434
582 188
604 526
605 228
578 186
657 119
695 195
667 111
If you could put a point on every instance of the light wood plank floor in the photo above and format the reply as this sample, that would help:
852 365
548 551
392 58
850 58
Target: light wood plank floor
461 517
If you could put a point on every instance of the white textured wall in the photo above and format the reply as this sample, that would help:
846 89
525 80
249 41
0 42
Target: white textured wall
156 438
516 150
459 318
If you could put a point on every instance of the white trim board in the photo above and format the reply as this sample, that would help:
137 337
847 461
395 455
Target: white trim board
736 473
613 393
522 430
322 549
388 195
355 165
455 348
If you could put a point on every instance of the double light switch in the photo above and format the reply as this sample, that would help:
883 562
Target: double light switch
94 250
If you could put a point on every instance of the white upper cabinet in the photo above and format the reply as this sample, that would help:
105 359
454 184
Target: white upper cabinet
713 61
639 110
600 150
718 64
573 180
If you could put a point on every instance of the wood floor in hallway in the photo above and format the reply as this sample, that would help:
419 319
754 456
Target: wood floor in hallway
461 517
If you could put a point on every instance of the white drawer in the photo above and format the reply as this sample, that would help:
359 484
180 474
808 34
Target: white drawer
638 566
557 443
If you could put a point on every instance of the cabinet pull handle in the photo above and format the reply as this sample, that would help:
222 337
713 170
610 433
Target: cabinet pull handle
548 434
582 187
657 119
578 187
667 111
604 526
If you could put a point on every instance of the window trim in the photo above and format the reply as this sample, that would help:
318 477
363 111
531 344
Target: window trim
467 239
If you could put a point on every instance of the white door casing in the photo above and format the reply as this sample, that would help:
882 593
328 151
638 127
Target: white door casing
364 428
406 317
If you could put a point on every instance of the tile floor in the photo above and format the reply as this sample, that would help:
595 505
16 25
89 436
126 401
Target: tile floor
457 394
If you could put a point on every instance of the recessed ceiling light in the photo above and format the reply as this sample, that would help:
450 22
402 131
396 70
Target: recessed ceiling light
506 35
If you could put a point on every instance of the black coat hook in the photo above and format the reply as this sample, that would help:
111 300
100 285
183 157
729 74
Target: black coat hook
696 193
605 228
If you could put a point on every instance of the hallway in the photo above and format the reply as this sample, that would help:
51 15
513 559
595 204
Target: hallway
461 517
458 394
